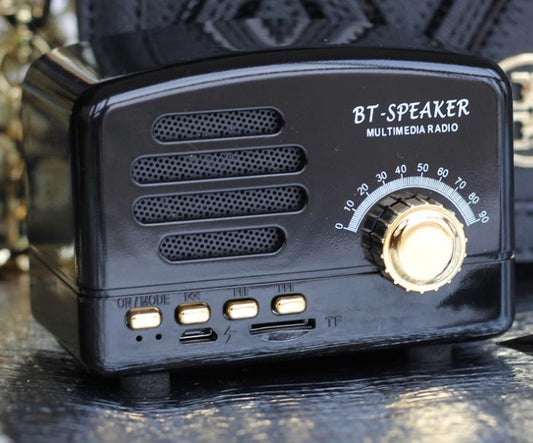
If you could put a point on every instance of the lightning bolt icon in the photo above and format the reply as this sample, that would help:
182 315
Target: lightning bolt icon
228 333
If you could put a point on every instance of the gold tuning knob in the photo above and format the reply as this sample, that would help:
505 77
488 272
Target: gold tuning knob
415 241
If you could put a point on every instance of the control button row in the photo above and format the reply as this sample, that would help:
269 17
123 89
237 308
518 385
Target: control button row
198 313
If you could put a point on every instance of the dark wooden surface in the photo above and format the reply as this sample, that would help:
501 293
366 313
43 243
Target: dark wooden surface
484 394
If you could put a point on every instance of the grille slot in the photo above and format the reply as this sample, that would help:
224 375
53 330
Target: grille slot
219 164
217 124
242 202
236 243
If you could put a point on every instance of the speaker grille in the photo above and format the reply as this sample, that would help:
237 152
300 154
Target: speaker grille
175 208
207 245
220 164
219 124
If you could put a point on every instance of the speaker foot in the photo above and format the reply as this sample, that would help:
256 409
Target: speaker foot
148 385
428 354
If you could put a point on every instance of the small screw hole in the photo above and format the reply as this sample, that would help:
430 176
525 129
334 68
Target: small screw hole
139 338
158 337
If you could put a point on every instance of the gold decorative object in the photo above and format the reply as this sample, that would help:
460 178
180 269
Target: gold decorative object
28 30
519 68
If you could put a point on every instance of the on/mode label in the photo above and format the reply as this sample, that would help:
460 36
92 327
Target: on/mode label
141 301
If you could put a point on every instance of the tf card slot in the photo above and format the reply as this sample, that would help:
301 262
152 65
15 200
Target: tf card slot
290 325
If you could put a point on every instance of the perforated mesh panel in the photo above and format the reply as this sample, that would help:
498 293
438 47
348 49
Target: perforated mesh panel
220 124
242 202
222 244
238 163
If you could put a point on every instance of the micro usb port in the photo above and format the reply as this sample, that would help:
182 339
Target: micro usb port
198 335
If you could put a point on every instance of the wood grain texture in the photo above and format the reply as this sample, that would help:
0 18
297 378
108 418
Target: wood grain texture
484 394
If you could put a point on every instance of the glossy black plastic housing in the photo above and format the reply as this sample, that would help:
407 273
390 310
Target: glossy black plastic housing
88 115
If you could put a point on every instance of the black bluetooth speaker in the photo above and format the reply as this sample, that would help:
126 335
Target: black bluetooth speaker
210 194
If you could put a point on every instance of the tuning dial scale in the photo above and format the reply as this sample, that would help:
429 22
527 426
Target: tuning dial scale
413 226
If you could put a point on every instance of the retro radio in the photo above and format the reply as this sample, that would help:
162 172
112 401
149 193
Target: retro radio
195 197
